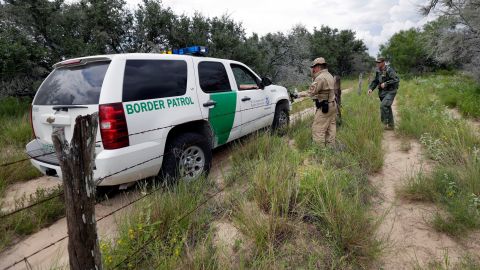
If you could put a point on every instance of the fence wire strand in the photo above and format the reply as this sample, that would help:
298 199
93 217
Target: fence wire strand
99 180
139 133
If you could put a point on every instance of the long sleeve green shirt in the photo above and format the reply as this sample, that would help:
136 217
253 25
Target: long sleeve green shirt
387 76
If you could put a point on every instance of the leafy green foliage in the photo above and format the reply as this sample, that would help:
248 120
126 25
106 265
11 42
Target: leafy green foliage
36 34
341 50
408 52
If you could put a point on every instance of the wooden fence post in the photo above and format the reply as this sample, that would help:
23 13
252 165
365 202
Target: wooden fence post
76 161
360 80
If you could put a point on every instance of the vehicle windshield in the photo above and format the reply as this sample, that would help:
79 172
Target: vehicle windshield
77 85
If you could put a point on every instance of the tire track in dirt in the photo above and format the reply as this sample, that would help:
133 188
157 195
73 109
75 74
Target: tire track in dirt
58 256
410 239
16 191
107 228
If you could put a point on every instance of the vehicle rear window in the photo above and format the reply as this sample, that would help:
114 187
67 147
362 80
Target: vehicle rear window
77 85
213 77
148 79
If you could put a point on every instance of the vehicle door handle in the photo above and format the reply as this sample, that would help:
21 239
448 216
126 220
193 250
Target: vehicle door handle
246 98
209 103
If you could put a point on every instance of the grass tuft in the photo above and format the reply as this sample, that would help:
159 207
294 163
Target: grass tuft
15 133
33 219
160 217
454 183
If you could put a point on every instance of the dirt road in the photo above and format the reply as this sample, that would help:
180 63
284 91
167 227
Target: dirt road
57 255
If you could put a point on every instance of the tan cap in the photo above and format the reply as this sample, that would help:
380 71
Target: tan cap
318 61
380 59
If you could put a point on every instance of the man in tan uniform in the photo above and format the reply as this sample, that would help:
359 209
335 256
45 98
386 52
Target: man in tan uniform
322 91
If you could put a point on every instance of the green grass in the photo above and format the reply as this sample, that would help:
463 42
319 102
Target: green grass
292 183
459 91
466 262
33 219
351 83
159 216
296 205
299 106
15 133
13 107
454 183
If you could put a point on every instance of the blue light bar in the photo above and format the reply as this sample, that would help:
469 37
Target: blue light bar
194 50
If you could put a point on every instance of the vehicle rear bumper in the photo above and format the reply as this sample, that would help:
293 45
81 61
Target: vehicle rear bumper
119 166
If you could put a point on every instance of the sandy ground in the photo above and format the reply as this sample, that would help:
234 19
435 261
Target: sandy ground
16 191
57 255
226 233
411 241
107 228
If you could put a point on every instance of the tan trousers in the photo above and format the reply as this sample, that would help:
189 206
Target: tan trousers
324 127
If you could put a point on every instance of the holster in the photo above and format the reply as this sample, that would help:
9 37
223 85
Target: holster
322 105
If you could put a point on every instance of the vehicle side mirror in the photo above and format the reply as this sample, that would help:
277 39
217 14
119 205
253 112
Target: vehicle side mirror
266 81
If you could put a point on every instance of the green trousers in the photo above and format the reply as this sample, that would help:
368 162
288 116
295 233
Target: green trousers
386 113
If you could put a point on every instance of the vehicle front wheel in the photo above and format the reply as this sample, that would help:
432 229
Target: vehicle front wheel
188 156
281 118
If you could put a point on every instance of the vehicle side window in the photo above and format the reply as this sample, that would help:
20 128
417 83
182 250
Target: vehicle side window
213 77
244 78
149 79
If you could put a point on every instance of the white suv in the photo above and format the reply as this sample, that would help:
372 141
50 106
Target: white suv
165 112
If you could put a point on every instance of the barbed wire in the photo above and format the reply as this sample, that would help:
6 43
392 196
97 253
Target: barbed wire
97 220
186 214
31 205
118 209
137 133
98 181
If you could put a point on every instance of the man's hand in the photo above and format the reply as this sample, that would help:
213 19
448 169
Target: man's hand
302 94
370 91
382 85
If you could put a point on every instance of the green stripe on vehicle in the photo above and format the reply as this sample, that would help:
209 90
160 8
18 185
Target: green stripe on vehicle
222 115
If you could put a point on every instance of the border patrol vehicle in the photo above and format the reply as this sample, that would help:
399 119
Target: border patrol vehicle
158 113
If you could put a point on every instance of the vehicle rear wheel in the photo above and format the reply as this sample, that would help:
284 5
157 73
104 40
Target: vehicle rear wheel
188 156
281 118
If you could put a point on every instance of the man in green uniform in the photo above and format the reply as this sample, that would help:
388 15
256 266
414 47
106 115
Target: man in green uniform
387 81
322 91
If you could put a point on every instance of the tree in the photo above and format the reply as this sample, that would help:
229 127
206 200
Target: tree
408 52
35 34
153 27
340 49
455 37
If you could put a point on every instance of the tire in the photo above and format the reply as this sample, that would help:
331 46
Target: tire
191 148
281 118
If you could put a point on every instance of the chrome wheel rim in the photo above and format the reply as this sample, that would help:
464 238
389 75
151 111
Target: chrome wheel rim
192 162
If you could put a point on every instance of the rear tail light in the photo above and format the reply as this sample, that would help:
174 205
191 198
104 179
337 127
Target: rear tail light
113 126
31 122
